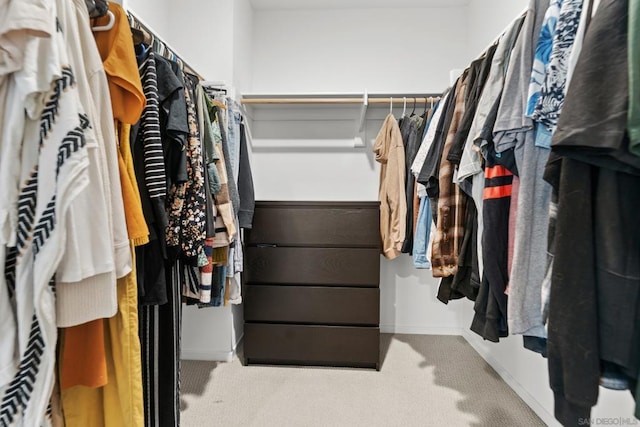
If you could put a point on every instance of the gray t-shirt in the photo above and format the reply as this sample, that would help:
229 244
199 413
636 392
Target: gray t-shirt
471 164
511 120
532 216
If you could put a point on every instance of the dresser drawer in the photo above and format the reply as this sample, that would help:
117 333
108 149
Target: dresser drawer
313 266
312 345
344 224
312 304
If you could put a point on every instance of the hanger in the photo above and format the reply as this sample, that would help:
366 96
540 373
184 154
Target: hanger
109 25
404 107
156 44
138 36
391 105
413 112
219 104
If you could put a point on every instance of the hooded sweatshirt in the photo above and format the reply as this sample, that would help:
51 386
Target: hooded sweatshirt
389 152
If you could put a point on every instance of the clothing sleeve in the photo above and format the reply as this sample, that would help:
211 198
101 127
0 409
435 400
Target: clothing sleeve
245 184
208 140
20 21
174 121
396 190
223 202
120 236
231 183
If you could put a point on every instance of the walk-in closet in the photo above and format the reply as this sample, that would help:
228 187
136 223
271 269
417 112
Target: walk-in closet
319 213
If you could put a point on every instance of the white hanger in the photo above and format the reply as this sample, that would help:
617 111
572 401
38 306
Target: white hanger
391 105
404 108
109 25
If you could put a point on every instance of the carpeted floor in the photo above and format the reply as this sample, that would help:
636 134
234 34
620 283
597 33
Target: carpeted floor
425 380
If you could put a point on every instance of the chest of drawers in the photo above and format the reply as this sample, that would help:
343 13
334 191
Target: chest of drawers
312 272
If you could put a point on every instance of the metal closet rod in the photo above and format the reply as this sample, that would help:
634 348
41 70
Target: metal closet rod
144 26
329 100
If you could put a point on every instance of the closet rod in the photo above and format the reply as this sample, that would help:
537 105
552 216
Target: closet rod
141 24
329 101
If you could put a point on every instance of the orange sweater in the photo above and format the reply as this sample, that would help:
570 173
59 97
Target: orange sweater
83 353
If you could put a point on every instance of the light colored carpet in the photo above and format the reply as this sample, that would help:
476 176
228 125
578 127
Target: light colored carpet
425 380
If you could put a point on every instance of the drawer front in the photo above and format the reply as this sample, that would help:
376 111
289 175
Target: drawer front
312 304
313 266
316 226
322 345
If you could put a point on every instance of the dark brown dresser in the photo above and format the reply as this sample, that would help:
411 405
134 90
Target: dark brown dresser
311 284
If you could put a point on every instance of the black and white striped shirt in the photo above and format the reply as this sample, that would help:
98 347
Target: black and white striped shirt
154 169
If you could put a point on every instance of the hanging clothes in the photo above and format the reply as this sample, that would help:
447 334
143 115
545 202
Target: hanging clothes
175 130
235 258
428 140
212 186
52 173
466 281
159 293
119 401
550 101
471 162
633 43
544 107
18 34
409 133
193 220
589 168
532 205
424 221
481 132
428 175
490 319
245 184
87 276
389 151
224 198
452 203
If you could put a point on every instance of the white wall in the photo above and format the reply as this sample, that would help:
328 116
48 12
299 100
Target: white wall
208 333
382 50
394 49
202 33
242 45
486 19
308 154
155 13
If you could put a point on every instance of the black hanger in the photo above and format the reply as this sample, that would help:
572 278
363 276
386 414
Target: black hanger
97 8
138 36
413 112
91 7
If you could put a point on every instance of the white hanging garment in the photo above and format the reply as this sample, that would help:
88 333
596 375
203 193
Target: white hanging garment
53 172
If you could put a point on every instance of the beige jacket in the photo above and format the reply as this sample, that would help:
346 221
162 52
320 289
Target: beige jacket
389 152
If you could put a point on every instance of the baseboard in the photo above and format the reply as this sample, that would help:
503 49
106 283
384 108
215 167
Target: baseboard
212 356
520 390
419 330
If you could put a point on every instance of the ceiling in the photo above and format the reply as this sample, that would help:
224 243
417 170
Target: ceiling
353 4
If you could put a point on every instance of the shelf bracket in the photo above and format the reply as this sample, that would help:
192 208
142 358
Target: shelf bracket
359 140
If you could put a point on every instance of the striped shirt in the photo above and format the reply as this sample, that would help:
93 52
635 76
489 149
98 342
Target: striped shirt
154 170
